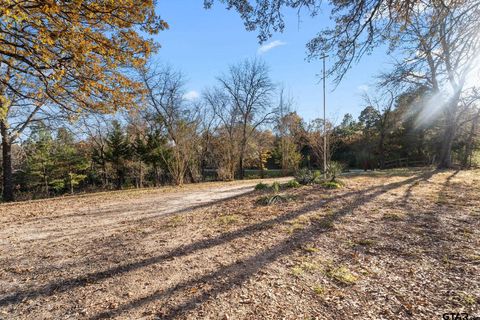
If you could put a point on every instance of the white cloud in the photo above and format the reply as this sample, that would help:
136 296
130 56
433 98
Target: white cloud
363 88
192 95
269 46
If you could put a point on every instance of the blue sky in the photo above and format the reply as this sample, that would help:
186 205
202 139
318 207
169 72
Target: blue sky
203 43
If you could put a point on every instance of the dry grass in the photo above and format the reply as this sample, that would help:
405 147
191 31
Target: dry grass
392 245
342 274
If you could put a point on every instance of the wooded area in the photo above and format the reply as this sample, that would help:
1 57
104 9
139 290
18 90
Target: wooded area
83 108
191 142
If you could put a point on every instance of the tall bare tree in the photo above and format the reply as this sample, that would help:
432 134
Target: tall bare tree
226 117
248 89
166 104
384 105
315 136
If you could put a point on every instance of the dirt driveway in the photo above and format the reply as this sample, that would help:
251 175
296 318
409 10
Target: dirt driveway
68 217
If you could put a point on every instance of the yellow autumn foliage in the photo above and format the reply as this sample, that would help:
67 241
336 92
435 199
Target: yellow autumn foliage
76 52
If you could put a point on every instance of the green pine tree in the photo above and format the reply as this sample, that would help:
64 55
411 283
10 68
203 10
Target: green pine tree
118 152
71 163
40 162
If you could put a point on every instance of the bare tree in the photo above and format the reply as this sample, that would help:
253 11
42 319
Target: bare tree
95 126
384 105
248 90
166 104
284 123
315 137
226 116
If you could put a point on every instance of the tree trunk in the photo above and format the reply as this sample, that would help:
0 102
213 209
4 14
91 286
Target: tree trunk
156 178
119 179
141 175
7 165
241 173
105 175
381 151
243 146
45 181
262 171
445 160
469 146
70 178
284 156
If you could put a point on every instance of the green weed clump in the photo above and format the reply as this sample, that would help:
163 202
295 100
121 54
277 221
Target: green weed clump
261 186
273 199
276 187
319 290
332 184
343 275
292 184
175 221
334 169
468 299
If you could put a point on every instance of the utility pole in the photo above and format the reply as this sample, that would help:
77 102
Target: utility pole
324 123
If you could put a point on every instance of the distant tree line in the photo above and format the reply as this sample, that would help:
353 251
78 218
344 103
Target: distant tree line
244 122
82 106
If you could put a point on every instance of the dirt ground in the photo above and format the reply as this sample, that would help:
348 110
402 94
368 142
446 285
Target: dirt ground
388 245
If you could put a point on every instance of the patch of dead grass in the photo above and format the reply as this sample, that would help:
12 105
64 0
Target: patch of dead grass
394 216
228 219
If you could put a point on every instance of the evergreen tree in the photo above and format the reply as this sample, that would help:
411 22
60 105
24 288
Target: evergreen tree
40 162
118 152
155 153
70 162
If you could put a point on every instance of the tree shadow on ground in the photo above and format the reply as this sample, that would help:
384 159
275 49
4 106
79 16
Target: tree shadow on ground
409 192
237 273
224 277
436 238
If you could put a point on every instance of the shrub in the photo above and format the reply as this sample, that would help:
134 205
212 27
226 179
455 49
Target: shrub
261 186
292 184
317 177
334 169
304 176
272 199
297 271
276 187
317 174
